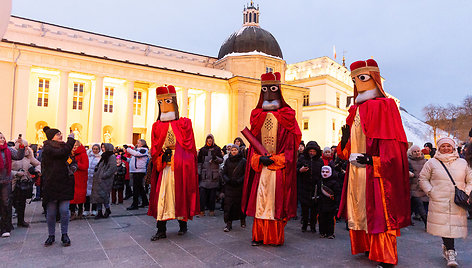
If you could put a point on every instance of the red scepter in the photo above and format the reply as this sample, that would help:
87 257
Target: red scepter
254 142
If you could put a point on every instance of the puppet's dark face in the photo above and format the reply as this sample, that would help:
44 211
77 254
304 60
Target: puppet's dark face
271 95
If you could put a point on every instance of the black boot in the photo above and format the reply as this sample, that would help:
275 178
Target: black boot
385 265
304 226
49 241
161 231
228 226
107 213
21 219
243 223
65 240
183 228
99 215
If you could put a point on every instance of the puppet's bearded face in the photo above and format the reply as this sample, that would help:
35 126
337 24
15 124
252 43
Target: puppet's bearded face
271 95
366 88
167 108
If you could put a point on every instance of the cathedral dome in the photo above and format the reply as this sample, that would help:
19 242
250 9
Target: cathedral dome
251 37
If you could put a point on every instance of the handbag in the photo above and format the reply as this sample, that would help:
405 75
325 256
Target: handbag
460 197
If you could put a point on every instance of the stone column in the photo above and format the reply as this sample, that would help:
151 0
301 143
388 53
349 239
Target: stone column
96 122
151 116
207 112
128 122
62 104
184 108
20 101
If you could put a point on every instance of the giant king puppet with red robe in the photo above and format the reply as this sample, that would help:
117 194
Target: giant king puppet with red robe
376 196
174 186
269 193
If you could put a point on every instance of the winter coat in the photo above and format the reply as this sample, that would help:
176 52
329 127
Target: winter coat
119 179
19 168
445 218
309 179
57 181
93 161
81 175
233 176
139 159
5 176
209 160
326 204
416 166
103 177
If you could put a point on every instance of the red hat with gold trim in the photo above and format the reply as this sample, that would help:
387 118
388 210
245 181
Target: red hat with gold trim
270 78
369 67
166 91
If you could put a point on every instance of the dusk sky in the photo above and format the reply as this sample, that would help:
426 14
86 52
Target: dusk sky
423 47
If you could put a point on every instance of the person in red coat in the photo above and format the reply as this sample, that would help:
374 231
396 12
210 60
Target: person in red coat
79 155
376 193
270 183
174 181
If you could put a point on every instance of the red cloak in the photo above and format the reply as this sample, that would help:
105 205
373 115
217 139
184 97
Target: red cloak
187 200
386 139
288 139
80 176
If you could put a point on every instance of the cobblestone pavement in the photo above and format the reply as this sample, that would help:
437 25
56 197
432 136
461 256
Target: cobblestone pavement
123 241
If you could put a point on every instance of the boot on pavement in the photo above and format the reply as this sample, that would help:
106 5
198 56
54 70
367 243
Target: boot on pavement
451 258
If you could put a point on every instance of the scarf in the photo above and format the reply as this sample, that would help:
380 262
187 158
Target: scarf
105 157
7 165
446 157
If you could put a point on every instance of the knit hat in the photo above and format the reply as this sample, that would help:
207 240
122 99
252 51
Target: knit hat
448 140
326 149
50 132
234 146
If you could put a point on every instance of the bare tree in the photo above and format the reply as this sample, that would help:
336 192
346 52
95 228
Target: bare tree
434 114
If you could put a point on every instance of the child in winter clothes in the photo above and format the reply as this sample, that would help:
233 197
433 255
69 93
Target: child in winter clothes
118 181
328 202
233 177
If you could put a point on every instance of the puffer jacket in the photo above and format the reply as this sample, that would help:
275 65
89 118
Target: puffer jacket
417 165
80 175
139 159
209 160
445 218
309 179
103 177
19 167
93 161
57 181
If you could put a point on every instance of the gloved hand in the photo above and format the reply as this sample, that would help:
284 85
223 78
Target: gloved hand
167 156
346 130
265 160
365 159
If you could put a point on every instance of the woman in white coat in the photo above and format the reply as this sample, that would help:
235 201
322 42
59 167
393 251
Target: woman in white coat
445 218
